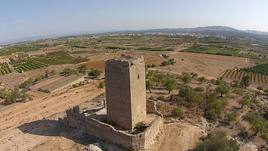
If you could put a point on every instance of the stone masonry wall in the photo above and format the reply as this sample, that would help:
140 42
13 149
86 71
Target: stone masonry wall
127 140
125 91
138 91
74 118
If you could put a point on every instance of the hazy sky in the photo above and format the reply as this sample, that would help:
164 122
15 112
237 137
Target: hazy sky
29 18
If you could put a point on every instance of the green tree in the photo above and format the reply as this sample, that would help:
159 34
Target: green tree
214 107
222 89
245 82
218 141
190 96
170 84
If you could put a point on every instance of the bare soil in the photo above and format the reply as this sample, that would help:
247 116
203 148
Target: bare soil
210 66
178 137
26 126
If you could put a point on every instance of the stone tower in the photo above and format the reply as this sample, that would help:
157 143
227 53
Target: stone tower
125 91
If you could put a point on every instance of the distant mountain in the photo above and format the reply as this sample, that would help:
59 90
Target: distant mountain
256 32
216 31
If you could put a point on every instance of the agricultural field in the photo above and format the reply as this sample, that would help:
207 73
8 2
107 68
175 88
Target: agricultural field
28 65
221 50
237 75
4 69
57 58
21 48
261 69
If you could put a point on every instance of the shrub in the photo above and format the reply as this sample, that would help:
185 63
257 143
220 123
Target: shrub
186 78
94 73
12 96
190 96
218 141
245 101
82 69
131 149
231 116
101 85
257 122
202 79
161 98
178 112
67 72
266 92
168 62
149 84
243 133
140 127
185 91
260 88
26 84
245 82
214 107
199 89
194 75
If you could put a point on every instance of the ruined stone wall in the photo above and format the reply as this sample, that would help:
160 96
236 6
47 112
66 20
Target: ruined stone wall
74 119
125 91
152 132
140 141
109 133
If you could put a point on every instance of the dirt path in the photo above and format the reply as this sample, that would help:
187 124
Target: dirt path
11 138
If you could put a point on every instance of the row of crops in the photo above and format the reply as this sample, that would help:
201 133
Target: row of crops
28 65
262 69
239 74
55 58
4 69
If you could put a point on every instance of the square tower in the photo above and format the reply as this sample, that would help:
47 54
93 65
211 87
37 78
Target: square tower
125 91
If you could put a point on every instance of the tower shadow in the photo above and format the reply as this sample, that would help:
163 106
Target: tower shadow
52 128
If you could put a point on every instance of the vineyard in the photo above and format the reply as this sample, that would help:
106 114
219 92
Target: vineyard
4 69
262 69
28 65
239 74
